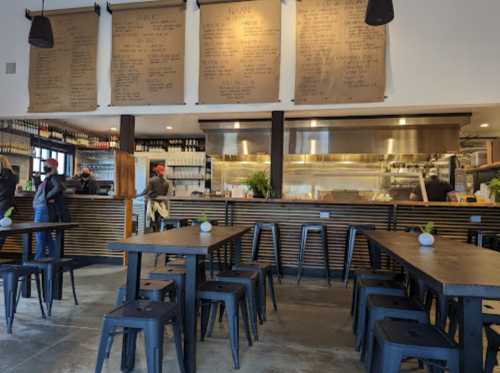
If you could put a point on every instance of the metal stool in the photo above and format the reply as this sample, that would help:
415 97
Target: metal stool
384 306
350 243
493 347
50 268
232 296
483 238
396 340
11 274
178 276
150 317
275 232
366 288
217 251
249 281
170 223
154 290
304 233
265 271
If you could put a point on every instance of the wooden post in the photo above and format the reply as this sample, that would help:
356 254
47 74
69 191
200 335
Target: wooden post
127 144
277 140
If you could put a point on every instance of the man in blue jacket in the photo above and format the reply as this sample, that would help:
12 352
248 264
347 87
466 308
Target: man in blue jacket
49 206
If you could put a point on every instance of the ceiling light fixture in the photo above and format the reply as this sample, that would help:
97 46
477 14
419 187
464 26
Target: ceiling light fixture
484 125
402 121
41 35
113 129
379 12
314 123
236 125
169 128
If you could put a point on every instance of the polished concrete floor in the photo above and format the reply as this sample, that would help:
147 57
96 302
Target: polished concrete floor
310 333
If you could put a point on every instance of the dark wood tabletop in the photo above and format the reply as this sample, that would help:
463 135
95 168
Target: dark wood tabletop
186 240
455 268
29 227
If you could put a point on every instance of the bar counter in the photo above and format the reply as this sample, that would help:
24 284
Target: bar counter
100 219
451 219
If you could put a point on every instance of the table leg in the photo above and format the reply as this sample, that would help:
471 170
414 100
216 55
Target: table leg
190 319
133 284
58 283
237 251
471 332
27 249
374 253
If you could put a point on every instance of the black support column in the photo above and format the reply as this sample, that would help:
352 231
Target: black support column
277 139
127 133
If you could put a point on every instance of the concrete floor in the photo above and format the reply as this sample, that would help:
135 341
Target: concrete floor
310 333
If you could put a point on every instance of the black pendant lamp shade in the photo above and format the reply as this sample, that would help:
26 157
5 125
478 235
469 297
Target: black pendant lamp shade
379 12
41 35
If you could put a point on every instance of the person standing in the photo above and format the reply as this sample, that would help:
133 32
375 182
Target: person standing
48 204
156 192
8 182
86 182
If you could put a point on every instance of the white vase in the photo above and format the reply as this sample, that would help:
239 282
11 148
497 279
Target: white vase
206 227
426 239
5 222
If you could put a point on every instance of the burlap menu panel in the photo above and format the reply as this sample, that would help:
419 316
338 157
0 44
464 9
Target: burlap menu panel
340 59
240 46
64 78
148 56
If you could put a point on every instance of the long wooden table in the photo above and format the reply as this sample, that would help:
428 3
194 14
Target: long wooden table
191 243
26 229
452 268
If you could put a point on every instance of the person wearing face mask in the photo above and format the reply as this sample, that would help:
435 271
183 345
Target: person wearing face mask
48 204
8 182
156 192
86 182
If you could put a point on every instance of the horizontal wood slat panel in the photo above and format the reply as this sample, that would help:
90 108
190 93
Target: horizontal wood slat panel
100 221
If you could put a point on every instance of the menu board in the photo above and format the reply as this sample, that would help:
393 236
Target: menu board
64 78
240 52
147 65
340 59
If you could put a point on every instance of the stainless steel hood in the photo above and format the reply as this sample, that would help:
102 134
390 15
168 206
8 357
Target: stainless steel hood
418 134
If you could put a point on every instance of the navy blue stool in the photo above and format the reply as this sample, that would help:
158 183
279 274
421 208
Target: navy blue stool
170 223
249 280
217 251
384 306
50 268
305 230
11 274
396 340
232 297
370 274
482 237
178 276
352 231
493 347
275 232
151 318
366 288
265 271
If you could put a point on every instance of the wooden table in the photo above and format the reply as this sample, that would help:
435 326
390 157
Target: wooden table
26 230
452 268
191 243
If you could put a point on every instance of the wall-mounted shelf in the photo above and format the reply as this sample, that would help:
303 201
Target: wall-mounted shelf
486 167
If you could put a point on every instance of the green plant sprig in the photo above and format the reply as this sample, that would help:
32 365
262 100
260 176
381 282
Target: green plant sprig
8 213
428 228
259 183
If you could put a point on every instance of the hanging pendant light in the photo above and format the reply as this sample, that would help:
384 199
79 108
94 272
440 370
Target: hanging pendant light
41 35
379 12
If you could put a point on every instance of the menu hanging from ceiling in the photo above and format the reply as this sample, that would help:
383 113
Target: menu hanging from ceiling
64 78
340 59
240 46
147 65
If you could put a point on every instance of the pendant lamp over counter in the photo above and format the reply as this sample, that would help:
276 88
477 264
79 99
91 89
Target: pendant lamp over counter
41 35
379 12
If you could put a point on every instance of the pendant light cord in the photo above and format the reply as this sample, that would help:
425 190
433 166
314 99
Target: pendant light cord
43 6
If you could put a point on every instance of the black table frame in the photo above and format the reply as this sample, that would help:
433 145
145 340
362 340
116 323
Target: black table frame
470 323
189 318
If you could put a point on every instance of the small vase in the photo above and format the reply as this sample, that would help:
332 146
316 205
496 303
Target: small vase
426 239
5 222
205 227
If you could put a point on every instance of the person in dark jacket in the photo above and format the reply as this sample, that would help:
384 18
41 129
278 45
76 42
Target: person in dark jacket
158 188
48 204
8 182
86 182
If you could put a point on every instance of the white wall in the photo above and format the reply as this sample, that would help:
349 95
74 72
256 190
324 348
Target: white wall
441 53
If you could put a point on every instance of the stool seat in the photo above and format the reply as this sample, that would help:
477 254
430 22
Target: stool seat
211 294
131 312
394 302
153 290
396 340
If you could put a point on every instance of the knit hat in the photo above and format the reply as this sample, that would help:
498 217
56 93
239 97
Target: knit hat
51 162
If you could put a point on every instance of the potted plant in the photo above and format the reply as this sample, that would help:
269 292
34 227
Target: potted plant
426 238
6 220
204 223
259 184
494 186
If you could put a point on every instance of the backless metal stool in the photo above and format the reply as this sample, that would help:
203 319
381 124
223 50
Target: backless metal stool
275 231
170 223
352 232
306 229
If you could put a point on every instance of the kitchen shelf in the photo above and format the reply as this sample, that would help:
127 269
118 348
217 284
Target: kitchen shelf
185 165
486 167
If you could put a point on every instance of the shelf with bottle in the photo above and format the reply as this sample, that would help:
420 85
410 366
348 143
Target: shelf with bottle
171 145
12 144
